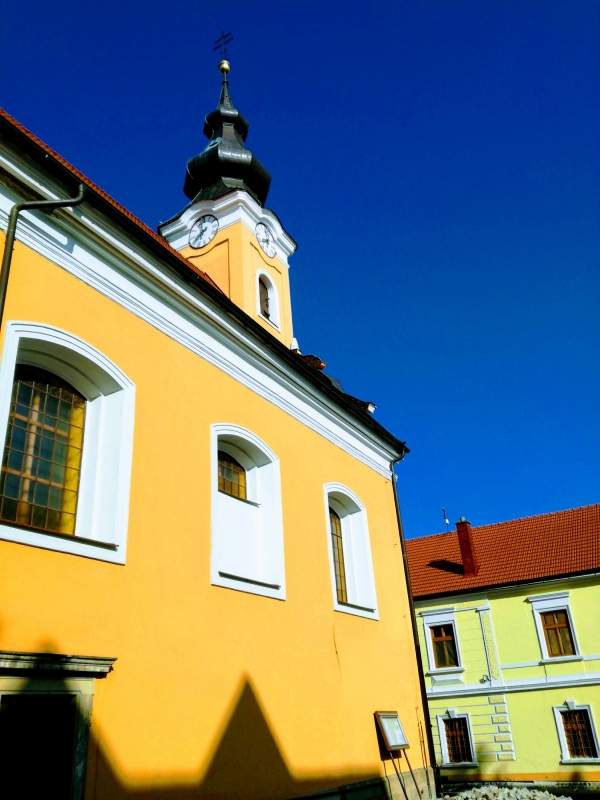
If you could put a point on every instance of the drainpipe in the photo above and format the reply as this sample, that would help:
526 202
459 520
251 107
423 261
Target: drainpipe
42 205
415 630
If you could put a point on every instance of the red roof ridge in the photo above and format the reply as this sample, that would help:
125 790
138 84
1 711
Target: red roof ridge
542 546
504 522
114 203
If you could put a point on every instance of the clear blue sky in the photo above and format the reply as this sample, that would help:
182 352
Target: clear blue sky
438 163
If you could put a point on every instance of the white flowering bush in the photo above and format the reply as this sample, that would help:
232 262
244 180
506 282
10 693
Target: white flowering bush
504 793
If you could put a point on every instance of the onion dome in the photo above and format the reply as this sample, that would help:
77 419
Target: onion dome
225 164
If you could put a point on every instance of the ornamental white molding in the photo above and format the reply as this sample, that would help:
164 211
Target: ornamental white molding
237 206
103 497
521 685
97 252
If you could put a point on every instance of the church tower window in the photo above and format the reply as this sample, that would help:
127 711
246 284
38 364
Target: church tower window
263 290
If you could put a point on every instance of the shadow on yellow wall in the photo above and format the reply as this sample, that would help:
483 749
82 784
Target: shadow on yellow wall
246 763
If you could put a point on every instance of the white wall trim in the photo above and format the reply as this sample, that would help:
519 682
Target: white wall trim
103 502
520 685
445 616
539 662
571 705
452 714
553 601
362 596
247 543
93 250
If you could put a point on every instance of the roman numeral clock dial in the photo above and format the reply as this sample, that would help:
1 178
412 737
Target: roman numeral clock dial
203 231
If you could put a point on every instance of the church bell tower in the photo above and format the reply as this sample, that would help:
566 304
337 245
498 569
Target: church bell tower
226 231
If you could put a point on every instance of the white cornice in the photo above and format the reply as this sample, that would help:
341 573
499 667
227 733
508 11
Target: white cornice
521 685
237 206
97 251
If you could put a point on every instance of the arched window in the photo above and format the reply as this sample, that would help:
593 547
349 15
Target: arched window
266 298
335 524
352 579
66 418
232 476
247 523
42 453
263 291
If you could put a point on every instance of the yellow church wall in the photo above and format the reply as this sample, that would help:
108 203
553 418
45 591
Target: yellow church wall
211 684
233 260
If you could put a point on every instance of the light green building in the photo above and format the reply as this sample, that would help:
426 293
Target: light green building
509 630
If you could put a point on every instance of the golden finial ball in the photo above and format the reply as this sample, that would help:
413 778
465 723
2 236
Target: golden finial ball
224 67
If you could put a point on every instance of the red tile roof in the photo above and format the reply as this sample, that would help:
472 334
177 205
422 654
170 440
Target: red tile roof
106 197
561 543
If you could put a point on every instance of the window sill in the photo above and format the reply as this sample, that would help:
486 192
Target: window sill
560 659
445 671
356 610
460 764
580 761
241 499
63 543
270 321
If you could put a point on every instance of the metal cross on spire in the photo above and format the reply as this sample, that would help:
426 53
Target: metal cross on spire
222 42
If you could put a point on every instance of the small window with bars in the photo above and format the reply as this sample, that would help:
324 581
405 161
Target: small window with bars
232 476
335 525
579 733
458 741
41 463
444 645
557 631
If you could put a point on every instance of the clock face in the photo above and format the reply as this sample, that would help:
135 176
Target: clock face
265 239
203 231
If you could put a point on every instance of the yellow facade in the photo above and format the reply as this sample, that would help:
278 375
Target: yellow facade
515 729
214 692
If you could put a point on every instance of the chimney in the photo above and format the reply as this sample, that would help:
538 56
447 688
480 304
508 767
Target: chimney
467 549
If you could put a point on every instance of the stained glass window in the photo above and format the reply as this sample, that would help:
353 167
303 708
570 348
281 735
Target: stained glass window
42 453
232 476
338 556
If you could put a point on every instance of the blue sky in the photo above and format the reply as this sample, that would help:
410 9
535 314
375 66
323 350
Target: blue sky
438 163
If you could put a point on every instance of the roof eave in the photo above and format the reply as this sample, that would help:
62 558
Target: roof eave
70 177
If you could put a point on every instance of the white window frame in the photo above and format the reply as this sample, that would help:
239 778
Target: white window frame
451 713
274 319
358 561
553 601
432 618
103 498
267 576
571 705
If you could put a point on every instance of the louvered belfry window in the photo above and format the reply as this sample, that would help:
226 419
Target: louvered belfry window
558 633
42 453
444 646
264 298
579 734
335 524
232 476
457 740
